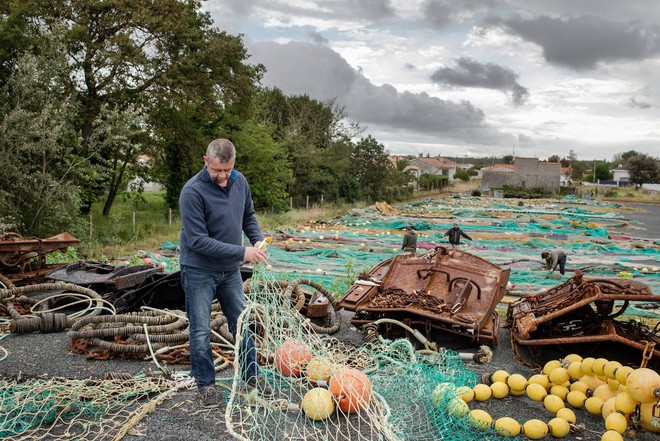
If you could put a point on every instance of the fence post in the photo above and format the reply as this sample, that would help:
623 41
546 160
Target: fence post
134 228
321 199
291 203
307 203
169 216
91 225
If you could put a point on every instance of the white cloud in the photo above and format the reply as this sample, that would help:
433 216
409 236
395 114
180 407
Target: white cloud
590 68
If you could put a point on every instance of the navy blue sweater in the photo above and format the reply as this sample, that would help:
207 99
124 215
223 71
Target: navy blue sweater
213 220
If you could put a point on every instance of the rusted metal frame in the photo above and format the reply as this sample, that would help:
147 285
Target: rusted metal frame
616 338
587 301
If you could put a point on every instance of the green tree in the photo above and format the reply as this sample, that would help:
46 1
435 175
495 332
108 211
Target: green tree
15 38
122 135
602 171
316 141
622 158
39 195
147 54
507 159
428 181
578 168
462 175
370 166
644 169
554 158
263 162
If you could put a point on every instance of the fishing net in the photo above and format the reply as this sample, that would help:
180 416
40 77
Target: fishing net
330 390
60 408
598 237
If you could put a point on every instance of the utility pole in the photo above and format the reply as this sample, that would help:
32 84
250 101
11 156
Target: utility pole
594 176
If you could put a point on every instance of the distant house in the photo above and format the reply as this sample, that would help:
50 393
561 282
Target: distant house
464 166
432 166
525 172
620 175
395 159
449 163
504 168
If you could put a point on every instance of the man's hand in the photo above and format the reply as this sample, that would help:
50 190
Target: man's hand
254 255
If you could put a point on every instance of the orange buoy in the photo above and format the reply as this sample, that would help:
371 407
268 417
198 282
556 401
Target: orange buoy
351 388
291 357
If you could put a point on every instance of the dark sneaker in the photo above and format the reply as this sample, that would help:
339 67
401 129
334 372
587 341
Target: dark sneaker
260 385
208 397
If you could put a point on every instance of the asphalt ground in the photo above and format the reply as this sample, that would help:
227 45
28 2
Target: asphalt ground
180 418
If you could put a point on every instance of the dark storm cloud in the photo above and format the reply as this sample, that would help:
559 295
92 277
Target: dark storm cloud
582 42
638 104
302 68
471 73
440 13
316 37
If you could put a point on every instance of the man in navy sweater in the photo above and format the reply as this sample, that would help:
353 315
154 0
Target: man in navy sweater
216 208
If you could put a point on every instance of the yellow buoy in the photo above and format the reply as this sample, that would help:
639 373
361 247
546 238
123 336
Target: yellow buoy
649 422
614 385
516 382
591 381
608 408
517 393
559 376
318 404
540 379
604 392
440 391
553 403
507 426
570 358
624 403
465 393
499 376
580 386
560 391
536 392
551 366
457 407
499 390
611 435
622 373
598 366
480 419
574 370
482 392
610 368
594 405
576 399
559 427
318 368
535 429
567 414
616 422
586 365
643 385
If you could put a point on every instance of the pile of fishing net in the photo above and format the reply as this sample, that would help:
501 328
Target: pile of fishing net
59 408
329 390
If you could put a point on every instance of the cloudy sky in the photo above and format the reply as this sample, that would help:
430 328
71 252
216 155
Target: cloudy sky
468 77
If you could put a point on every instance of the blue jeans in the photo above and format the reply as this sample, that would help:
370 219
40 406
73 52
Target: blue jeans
562 265
201 287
